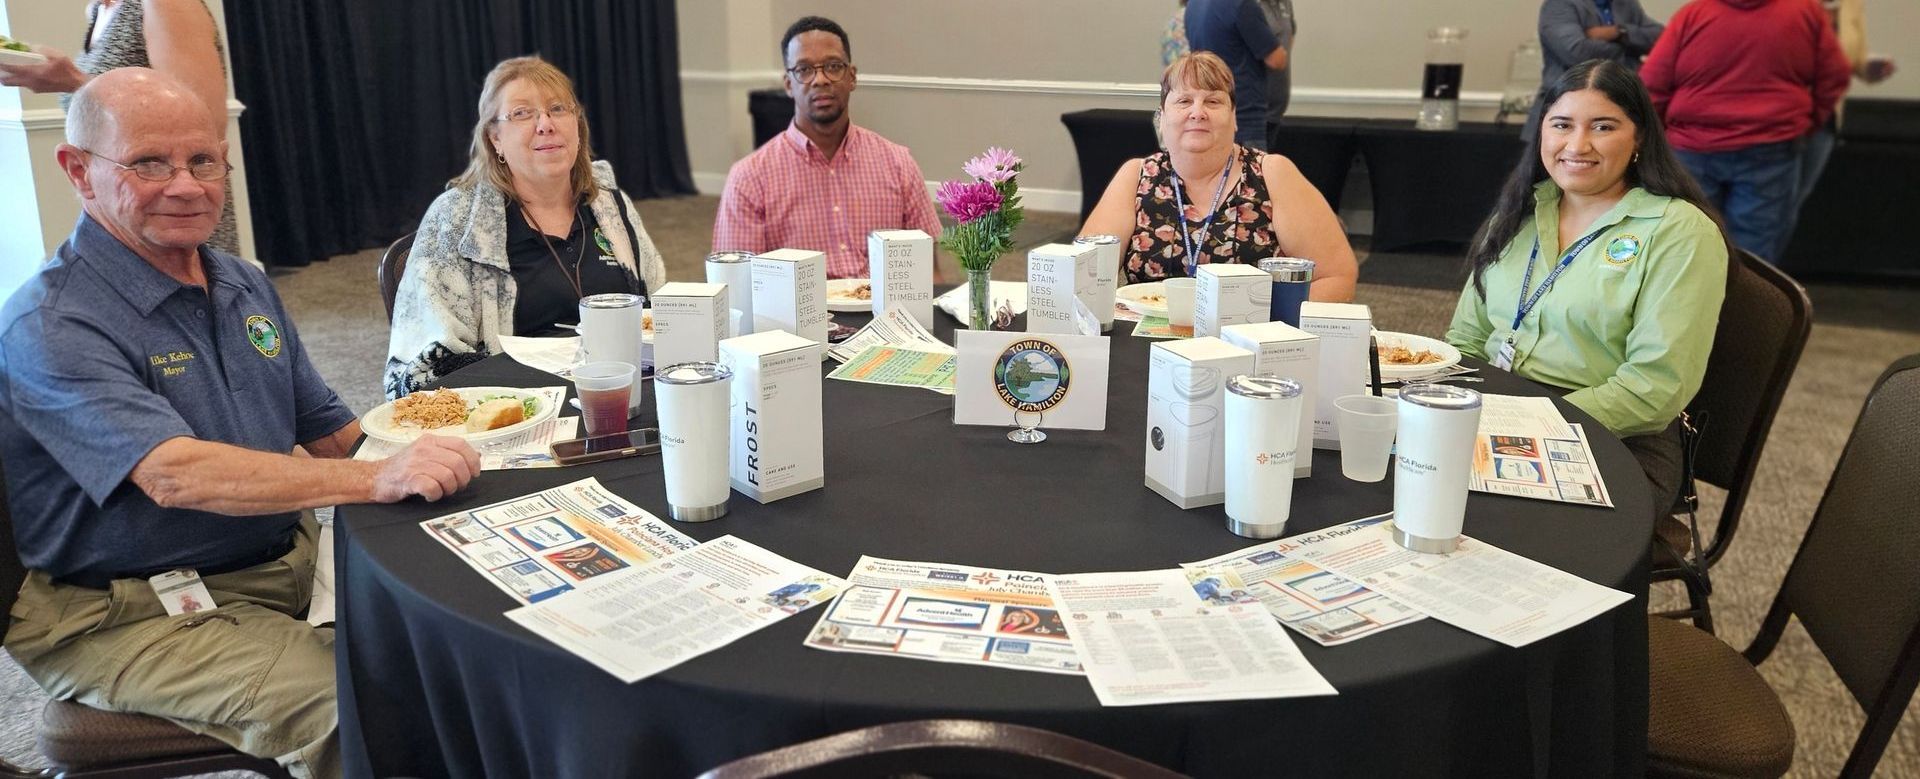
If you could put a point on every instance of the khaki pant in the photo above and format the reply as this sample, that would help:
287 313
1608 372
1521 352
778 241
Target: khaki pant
247 673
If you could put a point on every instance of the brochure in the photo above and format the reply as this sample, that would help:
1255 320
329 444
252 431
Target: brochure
901 367
654 616
949 614
1144 639
542 545
1315 603
895 328
1556 469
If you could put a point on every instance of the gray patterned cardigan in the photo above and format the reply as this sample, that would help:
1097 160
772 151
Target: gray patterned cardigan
456 297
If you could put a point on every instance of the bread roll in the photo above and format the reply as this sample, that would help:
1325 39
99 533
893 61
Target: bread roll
495 414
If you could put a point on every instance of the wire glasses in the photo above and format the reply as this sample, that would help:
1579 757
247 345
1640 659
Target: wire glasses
202 167
834 70
526 113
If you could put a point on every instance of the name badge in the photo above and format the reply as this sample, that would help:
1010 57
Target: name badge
181 592
1504 358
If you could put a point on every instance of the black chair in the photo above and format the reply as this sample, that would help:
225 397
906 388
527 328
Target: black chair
1763 328
934 748
88 743
1854 587
393 265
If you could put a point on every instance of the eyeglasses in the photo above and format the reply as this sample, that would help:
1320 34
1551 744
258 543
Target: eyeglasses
202 167
834 71
526 113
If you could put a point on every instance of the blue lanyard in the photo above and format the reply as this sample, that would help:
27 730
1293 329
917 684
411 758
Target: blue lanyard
1606 10
1527 303
1180 201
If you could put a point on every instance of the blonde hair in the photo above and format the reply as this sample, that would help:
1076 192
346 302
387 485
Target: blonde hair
484 163
1200 70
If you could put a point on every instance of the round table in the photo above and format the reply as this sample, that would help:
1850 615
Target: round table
434 681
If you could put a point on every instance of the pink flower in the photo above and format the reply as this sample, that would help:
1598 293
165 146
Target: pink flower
969 200
1166 233
996 165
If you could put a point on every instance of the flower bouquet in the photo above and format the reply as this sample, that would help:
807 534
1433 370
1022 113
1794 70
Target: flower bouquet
988 210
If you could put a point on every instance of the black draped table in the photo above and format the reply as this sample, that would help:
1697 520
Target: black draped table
434 681
1428 187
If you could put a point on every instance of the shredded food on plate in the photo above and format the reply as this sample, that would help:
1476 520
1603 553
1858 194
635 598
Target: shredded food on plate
429 410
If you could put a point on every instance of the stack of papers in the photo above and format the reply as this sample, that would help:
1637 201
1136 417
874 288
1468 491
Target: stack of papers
894 328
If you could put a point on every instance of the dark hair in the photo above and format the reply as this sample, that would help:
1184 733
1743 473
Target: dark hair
1657 170
811 24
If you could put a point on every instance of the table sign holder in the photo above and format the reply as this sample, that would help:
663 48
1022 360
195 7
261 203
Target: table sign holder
1031 378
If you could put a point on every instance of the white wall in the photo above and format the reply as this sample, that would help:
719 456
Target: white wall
37 205
951 78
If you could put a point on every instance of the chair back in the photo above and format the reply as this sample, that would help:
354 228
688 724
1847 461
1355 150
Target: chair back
1854 584
393 265
13 573
1763 328
944 748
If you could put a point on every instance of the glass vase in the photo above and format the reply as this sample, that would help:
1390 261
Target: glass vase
979 299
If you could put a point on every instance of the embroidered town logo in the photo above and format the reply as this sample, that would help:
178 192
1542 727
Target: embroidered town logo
263 335
605 246
1623 249
1031 375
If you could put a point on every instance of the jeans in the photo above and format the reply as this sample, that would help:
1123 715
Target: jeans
1756 191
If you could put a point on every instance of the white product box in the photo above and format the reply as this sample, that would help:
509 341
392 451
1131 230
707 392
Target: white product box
1346 332
790 293
1106 275
901 262
1282 350
1227 294
775 415
689 322
1186 418
1057 274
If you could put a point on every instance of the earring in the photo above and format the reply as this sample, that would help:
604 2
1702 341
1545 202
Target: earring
1636 158
503 158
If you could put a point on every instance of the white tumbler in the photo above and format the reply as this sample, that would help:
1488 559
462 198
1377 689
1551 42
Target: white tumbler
611 331
1106 275
1263 433
734 269
693 398
1434 465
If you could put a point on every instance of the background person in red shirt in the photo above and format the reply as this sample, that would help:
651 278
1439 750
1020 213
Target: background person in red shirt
1740 84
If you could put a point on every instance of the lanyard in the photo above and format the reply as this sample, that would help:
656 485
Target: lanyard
1527 303
1180 201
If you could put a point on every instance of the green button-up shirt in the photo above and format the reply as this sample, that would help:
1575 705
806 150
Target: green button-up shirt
1627 327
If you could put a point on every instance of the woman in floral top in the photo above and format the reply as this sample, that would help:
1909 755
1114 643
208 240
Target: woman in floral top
1206 199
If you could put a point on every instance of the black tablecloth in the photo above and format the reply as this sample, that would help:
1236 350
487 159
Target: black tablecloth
435 682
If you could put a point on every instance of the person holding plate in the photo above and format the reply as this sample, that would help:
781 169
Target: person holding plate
533 225
159 414
1602 268
1204 198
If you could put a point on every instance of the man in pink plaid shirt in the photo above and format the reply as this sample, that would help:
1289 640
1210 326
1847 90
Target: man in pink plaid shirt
824 183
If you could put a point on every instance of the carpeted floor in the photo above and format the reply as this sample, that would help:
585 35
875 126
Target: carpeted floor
1858 331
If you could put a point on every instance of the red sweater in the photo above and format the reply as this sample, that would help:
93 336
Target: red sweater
1732 74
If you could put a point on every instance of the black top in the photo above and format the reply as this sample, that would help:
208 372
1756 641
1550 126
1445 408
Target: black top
546 296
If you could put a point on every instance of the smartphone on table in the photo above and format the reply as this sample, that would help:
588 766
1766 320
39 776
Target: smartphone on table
575 451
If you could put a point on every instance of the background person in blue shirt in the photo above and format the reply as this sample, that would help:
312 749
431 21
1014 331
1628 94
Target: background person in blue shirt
1237 31
1574 31
152 394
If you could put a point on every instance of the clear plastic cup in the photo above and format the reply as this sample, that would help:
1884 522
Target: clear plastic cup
1180 304
603 388
1366 425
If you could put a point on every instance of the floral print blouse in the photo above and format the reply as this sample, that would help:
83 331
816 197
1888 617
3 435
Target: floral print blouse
1242 230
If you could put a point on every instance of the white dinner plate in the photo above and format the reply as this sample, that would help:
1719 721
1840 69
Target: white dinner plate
379 423
11 57
1386 339
1147 299
840 296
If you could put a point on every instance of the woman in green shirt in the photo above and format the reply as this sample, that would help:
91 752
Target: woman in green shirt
1602 268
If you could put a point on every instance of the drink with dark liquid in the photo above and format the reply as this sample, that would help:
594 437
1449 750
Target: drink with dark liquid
604 412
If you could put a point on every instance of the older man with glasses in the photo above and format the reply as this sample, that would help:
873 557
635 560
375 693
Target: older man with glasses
152 396
824 183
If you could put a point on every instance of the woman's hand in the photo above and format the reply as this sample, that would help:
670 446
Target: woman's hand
57 74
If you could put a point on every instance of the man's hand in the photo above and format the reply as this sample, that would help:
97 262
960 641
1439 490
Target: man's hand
57 74
432 467
1609 33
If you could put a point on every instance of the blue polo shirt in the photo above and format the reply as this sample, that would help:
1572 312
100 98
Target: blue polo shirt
1237 31
103 358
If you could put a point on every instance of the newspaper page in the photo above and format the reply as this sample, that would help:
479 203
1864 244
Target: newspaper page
900 366
1514 415
657 615
1145 639
1556 469
894 328
1479 588
553 355
949 614
525 449
545 544
1315 603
